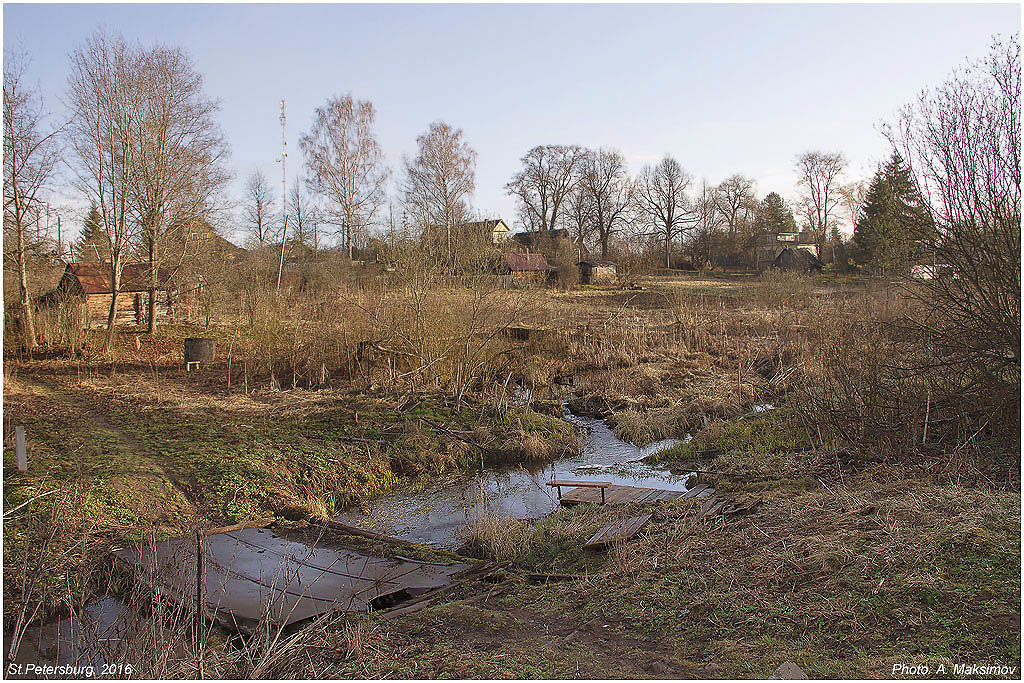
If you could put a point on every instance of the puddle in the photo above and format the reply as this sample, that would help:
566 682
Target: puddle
437 513
84 644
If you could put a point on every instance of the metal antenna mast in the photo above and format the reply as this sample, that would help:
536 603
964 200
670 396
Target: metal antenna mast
284 194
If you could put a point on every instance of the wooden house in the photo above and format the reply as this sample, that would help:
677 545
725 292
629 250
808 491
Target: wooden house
797 260
771 245
521 269
544 241
494 228
90 284
597 273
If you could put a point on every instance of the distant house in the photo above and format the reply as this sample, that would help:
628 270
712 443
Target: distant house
90 284
597 272
208 240
479 233
797 260
495 228
540 240
772 244
526 268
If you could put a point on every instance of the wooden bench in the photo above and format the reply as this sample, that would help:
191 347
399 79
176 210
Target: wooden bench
580 484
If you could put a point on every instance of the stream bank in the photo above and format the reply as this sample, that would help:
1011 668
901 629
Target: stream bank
437 512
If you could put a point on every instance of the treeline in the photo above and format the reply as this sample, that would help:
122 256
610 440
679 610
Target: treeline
144 149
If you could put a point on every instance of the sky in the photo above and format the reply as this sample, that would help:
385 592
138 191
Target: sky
723 88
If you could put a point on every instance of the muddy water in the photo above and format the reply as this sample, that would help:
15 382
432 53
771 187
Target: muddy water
438 511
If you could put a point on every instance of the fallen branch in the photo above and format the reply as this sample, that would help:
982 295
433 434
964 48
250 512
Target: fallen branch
41 495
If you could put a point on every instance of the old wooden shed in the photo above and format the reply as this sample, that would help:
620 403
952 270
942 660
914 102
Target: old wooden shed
597 272
526 268
91 285
797 260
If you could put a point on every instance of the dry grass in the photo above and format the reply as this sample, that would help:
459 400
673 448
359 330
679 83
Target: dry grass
497 537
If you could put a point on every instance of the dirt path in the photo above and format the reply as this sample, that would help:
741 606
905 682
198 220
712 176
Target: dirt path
85 412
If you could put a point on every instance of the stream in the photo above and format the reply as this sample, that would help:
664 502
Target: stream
437 512
433 512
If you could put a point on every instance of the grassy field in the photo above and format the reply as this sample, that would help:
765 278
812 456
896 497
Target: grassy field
859 556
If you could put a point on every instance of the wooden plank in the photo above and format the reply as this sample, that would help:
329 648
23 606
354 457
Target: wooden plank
707 506
581 495
616 494
653 495
696 490
617 530
637 495
712 506
591 484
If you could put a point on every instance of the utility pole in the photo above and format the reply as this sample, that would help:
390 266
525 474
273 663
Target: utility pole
284 196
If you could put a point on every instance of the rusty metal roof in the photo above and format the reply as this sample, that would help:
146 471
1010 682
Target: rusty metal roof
94 278
251 575
519 263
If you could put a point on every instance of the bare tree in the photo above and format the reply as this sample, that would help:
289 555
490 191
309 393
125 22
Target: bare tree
346 165
303 217
662 202
259 207
962 143
607 183
707 221
819 180
543 185
852 197
178 156
440 178
579 214
736 204
30 155
103 92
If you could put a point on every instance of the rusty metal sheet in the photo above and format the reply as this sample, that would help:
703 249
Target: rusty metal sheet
255 574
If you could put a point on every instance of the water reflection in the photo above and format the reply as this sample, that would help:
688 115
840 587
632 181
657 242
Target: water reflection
437 513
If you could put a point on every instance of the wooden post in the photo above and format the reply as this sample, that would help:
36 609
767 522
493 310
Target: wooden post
198 624
19 448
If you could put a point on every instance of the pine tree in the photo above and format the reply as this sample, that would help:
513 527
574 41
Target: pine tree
774 215
893 222
92 243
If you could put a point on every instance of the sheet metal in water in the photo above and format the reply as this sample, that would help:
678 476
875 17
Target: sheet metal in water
252 574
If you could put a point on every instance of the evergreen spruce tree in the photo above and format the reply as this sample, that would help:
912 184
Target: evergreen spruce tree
92 243
774 215
893 222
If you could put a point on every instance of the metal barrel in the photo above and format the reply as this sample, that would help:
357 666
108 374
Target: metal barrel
198 349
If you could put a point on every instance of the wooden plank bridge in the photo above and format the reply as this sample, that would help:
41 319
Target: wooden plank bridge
616 494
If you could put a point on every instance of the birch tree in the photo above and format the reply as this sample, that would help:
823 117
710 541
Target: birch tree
345 164
103 93
178 157
30 155
440 179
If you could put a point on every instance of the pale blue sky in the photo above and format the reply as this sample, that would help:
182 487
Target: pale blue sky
723 88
